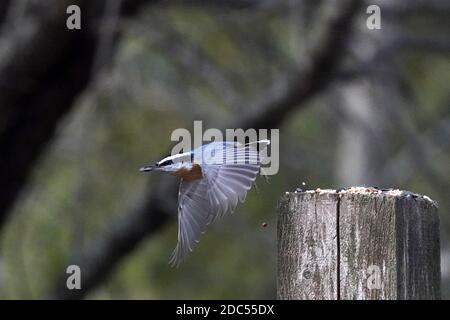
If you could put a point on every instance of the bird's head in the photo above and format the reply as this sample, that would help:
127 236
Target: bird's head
168 164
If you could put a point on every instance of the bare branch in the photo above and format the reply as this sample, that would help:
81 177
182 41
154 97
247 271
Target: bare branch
149 216
314 75
43 68
146 217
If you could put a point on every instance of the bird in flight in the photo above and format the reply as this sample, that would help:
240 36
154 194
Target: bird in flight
214 178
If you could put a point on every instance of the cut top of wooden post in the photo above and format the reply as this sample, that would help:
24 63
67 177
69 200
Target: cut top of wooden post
358 243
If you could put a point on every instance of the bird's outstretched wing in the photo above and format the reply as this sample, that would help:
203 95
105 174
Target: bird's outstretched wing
224 183
194 214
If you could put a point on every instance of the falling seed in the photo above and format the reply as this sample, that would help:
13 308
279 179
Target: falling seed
264 224
318 190
303 183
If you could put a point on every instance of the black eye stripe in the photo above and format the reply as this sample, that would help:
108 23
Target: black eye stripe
166 163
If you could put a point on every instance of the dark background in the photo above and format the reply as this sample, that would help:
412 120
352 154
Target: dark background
82 110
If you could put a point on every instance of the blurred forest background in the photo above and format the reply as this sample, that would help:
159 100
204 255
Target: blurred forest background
82 110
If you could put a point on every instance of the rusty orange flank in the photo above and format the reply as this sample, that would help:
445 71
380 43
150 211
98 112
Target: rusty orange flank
189 174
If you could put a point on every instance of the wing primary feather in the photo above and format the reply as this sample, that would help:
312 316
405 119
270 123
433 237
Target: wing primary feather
217 193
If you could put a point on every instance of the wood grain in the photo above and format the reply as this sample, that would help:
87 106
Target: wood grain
367 238
360 243
307 247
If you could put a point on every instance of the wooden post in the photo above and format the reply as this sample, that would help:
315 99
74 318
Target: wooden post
359 243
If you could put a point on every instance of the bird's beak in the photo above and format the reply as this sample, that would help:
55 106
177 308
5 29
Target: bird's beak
146 168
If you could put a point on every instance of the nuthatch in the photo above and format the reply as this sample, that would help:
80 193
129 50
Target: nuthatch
214 177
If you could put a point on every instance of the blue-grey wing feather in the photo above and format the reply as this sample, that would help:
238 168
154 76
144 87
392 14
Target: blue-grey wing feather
224 183
194 214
